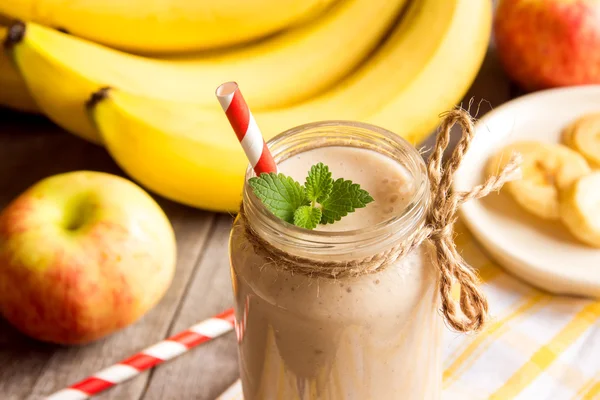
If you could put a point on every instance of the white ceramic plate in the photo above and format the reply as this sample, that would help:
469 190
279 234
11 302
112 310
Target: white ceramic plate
540 252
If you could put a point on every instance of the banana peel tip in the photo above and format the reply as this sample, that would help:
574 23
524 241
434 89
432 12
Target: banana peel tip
97 97
15 34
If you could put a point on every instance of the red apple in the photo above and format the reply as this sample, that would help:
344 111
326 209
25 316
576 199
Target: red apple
82 255
549 43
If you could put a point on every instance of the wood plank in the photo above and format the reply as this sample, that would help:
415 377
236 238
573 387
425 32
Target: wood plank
22 362
31 149
208 370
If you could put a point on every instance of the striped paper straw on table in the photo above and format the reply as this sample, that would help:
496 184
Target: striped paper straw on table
148 358
243 123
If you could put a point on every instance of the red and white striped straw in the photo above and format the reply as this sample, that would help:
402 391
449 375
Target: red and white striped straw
243 123
148 358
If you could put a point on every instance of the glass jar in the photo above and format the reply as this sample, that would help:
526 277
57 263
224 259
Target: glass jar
373 336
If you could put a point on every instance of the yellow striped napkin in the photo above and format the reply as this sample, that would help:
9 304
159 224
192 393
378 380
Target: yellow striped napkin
537 347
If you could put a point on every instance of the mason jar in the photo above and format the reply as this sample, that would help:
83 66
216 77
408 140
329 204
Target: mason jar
318 334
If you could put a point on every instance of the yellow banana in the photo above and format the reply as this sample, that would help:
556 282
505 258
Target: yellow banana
191 155
61 71
13 90
165 25
177 152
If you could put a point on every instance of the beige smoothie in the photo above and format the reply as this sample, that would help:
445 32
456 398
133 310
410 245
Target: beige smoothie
375 336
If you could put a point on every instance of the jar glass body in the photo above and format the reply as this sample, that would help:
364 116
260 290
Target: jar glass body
372 336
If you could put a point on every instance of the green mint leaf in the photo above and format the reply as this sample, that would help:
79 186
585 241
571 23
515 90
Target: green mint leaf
281 194
290 201
318 183
307 217
344 198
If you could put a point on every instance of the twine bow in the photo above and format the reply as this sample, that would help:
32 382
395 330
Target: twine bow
470 313
442 216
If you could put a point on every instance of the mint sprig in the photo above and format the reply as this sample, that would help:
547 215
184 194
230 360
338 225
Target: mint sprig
321 200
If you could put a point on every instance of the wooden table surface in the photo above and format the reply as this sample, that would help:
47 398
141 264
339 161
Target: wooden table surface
31 148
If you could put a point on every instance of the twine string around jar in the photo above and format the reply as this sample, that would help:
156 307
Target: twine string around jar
471 312
442 215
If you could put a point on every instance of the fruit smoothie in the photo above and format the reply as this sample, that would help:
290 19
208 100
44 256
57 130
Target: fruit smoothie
374 336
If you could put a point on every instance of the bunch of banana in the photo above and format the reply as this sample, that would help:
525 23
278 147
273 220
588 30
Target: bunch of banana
61 70
402 88
376 61
13 91
557 184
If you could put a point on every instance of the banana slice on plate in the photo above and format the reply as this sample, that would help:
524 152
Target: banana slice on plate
546 169
583 135
580 209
